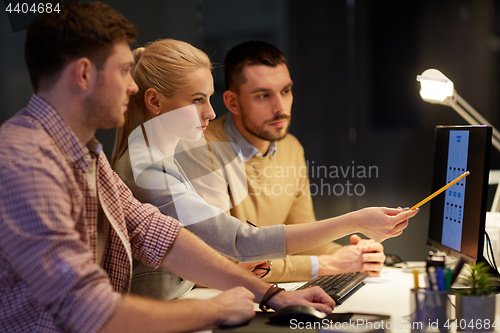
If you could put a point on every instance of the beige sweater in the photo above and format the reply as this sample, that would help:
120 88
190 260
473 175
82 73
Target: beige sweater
278 193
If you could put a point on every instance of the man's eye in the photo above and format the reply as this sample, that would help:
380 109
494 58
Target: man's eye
263 96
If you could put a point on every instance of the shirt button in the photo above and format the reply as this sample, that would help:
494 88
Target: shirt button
259 154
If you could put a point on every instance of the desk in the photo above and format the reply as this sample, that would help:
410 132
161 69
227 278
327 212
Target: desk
387 295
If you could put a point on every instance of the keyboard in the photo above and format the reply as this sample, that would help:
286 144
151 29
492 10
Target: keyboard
339 286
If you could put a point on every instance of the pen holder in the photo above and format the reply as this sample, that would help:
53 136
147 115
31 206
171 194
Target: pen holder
430 310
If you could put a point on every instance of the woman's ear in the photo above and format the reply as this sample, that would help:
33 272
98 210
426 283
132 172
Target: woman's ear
152 100
231 101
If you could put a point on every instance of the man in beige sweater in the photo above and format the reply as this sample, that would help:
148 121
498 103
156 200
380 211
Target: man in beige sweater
259 98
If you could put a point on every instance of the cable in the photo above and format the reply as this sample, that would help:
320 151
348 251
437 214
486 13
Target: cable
489 251
490 247
488 259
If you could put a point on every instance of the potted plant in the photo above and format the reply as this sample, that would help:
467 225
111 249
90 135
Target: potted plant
476 303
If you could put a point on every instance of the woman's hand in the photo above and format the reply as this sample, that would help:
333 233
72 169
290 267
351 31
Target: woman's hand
380 223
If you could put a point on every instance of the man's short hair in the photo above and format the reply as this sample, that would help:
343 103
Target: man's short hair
247 54
79 30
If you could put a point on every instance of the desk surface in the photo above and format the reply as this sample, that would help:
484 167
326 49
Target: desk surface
387 295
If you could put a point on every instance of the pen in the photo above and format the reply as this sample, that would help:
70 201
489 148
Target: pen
434 285
415 277
253 225
447 278
440 278
465 174
432 278
428 285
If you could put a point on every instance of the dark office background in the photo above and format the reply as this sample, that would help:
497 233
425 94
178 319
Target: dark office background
354 64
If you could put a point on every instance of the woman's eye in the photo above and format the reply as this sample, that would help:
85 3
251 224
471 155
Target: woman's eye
197 100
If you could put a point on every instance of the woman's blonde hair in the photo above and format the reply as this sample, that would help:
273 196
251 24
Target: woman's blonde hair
164 65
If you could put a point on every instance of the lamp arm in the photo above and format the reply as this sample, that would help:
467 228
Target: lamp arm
495 143
475 114
461 111
471 110
472 116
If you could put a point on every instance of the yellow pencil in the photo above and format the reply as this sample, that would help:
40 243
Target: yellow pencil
465 174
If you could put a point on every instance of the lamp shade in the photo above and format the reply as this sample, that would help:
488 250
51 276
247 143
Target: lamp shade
435 87
438 89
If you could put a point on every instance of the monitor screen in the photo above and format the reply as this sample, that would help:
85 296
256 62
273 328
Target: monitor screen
457 217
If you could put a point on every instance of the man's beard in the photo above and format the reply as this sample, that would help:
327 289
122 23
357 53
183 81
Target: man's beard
100 111
261 132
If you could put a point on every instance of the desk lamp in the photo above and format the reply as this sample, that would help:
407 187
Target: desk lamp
436 88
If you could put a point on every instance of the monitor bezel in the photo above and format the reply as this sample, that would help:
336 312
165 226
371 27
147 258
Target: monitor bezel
482 216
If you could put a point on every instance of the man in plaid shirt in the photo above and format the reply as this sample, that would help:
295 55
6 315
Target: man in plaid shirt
70 227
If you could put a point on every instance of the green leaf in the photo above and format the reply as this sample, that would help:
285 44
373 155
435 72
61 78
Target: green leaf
479 281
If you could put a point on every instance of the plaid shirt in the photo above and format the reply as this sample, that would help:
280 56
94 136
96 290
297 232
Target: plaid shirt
49 279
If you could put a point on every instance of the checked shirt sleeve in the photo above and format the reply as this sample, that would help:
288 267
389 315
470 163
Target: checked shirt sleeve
151 232
51 271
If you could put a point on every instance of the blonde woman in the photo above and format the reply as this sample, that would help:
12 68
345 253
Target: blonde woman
175 84
177 107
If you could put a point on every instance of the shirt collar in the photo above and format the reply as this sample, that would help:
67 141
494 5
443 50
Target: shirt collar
64 137
247 149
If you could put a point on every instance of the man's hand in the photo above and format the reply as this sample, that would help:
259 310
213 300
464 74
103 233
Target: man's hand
315 297
235 306
363 255
260 268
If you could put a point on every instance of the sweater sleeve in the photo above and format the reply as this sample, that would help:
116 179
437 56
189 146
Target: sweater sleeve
298 267
292 269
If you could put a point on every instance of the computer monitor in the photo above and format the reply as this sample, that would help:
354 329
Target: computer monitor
457 217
